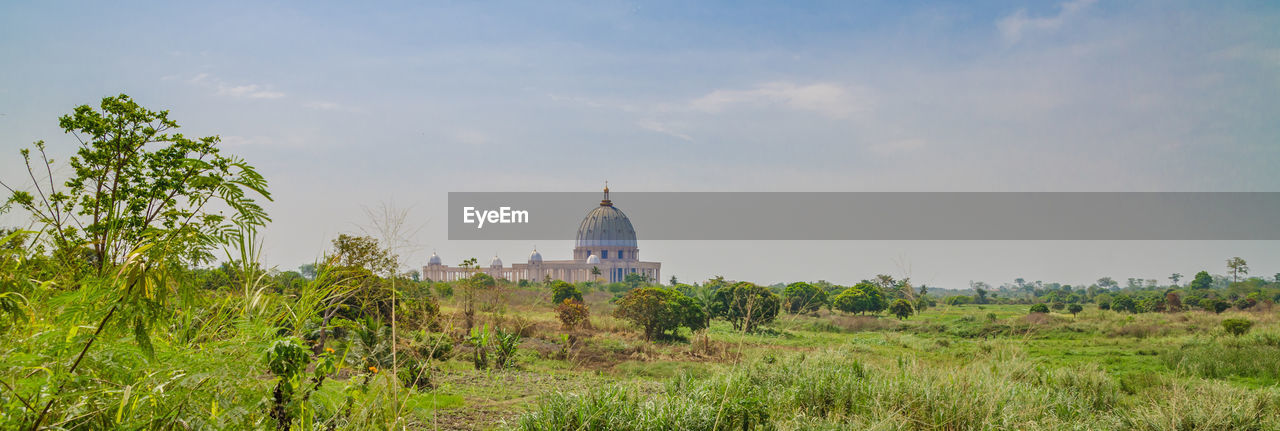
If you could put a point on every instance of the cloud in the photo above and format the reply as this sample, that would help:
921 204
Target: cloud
238 91
1014 26
829 99
900 146
660 127
322 105
472 138
284 140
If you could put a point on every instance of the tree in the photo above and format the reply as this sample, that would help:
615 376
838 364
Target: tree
803 297
1124 303
572 313
135 182
634 280
1237 267
862 298
1074 309
308 271
1174 278
1202 281
358 260
902 309
1172 301
468 289
658 310
981 296
1058 305
745 305
595 273
1040 308
140 202
851 300
980 291
562 290
674 281
1107 283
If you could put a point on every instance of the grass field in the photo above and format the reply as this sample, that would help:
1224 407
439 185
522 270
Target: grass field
952 367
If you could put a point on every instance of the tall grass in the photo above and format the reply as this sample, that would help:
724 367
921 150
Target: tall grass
834 390
1255 356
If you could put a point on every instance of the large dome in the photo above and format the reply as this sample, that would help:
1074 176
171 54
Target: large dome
606 226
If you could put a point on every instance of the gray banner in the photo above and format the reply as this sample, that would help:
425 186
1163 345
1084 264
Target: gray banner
876 216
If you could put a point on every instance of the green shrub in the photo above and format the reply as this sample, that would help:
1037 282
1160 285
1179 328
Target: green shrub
1245 303
1124 303
1237 327
505 345
1039 308
562 290
658 310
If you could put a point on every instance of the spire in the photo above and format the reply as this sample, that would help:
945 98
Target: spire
606 202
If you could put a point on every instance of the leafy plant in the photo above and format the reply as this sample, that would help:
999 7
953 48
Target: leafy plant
658 310
902 309
479 341
1237 327
505 345
572 313
562 290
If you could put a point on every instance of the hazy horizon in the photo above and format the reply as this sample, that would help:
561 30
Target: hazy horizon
345 107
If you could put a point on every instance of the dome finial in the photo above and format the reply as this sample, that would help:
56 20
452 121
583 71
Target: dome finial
606 202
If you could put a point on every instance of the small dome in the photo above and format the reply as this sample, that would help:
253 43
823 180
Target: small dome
495 263
535 257
434 260
593 259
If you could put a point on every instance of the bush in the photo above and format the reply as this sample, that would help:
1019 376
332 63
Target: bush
436 346
1039 308
1237 327
420 313
902 309
1124 303
1058 305
572 313
1215 305
659 310
745 305
504 347
1245 303
1104 305
562 290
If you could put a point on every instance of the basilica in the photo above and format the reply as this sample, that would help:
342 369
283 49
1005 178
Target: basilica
605 251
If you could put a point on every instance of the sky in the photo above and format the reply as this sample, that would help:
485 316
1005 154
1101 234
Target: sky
351 107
